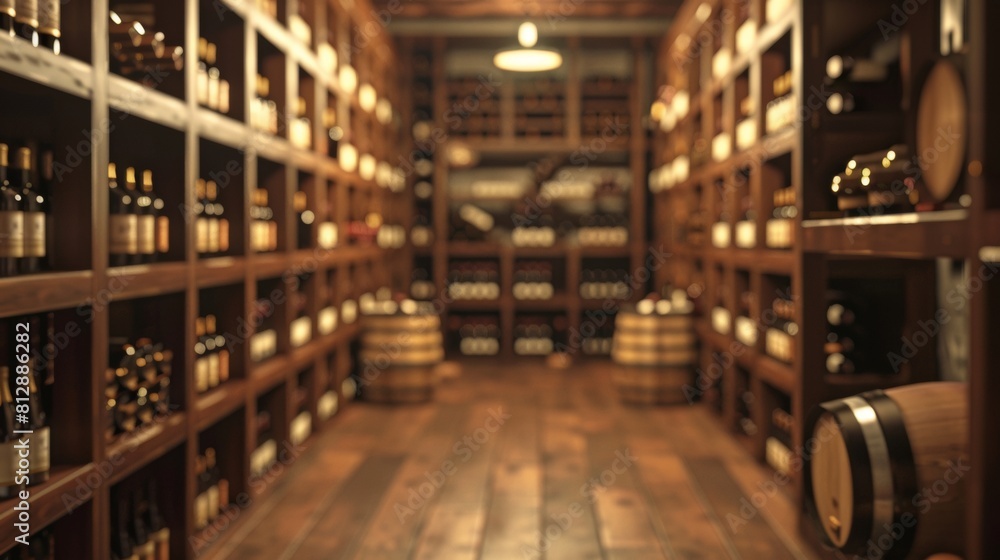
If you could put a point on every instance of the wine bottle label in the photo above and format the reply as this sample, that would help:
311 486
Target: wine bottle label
8 463
11 233
34 234
162 540
40 451
201 510
48 17
201 235
146 235
223 486
201 375
7 7
123 234
213 235
162 234
212 499
202 85
213 369
27 12
223 366
223 235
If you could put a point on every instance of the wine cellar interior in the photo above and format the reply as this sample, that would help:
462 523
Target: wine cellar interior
459 280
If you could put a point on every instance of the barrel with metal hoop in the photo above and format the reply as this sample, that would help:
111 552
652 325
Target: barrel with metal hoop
654 350
401 347
886 471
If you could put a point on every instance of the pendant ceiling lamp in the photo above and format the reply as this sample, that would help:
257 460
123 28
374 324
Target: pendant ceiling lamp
529 57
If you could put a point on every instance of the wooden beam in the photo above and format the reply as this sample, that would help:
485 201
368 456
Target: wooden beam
552 10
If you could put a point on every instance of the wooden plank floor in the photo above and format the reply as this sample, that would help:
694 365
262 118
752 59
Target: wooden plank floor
517 461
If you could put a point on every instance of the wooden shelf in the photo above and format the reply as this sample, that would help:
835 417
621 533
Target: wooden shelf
49 501
146 444
126 121
917 235
32 294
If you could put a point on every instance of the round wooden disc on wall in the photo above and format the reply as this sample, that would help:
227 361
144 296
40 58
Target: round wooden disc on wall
942 124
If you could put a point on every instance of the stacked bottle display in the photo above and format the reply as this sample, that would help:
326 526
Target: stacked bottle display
848 344
603 230
21 382
534 335
137 385
778 446
211 225
25 208
780 229
533 281
781 335
211 89
266 453
36 21
263 226
138 50
212 493
478 335
264 342
263 110
604 283
474 280
539 234
211 355
138 229
138 528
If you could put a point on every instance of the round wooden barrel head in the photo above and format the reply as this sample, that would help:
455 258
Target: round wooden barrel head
833 485
942 116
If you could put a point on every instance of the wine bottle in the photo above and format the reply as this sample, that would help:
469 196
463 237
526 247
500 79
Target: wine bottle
213 77
8 454
11 221
123 223
40 438
201 219
158 531
200 357
211 352
121 542
7 13
305 221
161 223
33 212
212 216
49 28
143 547
212 473
26 20
201 495
201 80
145 222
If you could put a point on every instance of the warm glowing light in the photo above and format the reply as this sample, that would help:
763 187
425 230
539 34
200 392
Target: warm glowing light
528 60
527 34
367 97
702 13
348 78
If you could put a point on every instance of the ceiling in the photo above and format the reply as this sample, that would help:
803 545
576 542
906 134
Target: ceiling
551 10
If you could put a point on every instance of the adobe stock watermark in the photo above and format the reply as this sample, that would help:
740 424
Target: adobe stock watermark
462 452
558 524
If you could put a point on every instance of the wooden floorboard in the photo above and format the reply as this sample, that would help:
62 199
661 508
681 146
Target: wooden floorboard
515 461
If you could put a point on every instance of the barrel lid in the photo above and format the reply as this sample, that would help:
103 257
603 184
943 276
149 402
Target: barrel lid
832 482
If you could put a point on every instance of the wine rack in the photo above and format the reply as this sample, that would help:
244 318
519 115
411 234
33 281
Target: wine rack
580 119
784 180
82 107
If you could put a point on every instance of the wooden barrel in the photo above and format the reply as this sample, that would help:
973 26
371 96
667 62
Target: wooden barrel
886 471
399 356
654 349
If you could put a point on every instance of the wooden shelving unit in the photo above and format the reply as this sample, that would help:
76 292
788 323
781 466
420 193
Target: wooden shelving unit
511 121
702 174
164 129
